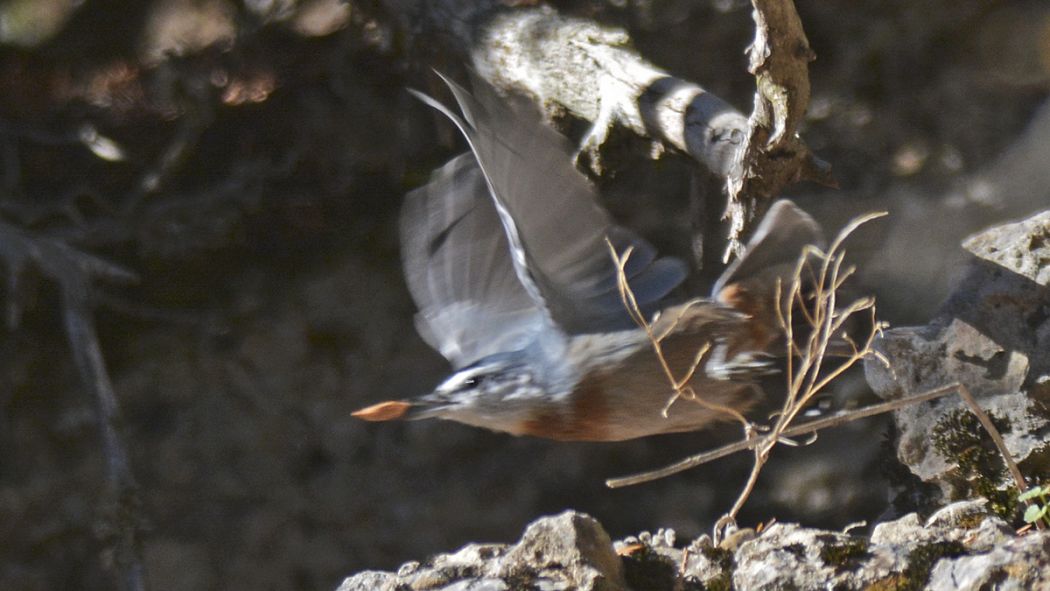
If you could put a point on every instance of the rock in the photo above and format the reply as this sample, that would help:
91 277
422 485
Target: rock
1011 566
1021 247
369 579
568 551
571 542
962 546
970 523
905 553
992 335
788 556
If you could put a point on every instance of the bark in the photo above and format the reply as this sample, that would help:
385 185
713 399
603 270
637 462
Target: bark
591 71
773 156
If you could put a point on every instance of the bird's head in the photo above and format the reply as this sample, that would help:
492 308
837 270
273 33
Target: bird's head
495 393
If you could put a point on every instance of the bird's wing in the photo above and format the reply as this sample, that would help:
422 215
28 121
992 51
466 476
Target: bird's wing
457 263
774 248
555 227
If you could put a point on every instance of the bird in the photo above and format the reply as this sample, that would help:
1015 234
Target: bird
506 252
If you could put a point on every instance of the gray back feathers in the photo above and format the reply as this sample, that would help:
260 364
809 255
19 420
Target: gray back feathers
508 240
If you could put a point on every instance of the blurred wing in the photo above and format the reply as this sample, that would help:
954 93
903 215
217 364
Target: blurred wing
774 248
457 264
555 228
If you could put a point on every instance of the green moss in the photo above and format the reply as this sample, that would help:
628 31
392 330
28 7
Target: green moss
646 569
921 561
979 470
723 582
726 564
720 556
1036 467
848 555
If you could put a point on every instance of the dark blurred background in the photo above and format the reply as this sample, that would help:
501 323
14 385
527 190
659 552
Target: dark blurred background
246 159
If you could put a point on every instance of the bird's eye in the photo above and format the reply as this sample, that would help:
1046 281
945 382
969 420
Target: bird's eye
472 382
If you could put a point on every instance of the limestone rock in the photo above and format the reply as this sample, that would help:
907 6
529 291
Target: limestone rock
962 546
992 335
568 551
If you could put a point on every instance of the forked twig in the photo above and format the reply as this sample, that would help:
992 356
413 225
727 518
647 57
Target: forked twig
806 374
75 272
679 385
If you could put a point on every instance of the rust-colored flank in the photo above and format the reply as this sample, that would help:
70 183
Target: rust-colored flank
384 411
584 420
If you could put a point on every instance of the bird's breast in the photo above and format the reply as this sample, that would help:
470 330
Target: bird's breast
581 415
626 399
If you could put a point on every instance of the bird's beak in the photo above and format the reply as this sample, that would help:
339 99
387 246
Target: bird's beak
384 411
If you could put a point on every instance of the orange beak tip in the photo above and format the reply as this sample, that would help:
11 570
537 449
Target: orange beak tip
630 549
384 411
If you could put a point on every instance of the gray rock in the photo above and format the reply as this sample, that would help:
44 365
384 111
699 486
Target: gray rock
569 551
992 335
962 546
1019 564
958 514
969 522
571 543
369 579
963 539
1021 247
788 556
907 529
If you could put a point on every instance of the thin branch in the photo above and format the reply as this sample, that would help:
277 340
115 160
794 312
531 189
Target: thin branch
805 375
75 272
123 507
679 386
828 422
997 439
772 155
808 379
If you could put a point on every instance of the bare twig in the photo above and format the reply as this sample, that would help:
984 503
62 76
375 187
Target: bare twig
122 508
75 272
806 374
997 439
834 420
679 385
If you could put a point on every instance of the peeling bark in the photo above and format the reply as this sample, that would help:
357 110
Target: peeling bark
773 155
566 64
591 72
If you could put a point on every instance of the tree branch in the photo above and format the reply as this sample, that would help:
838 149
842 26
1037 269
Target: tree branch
773 154
74 272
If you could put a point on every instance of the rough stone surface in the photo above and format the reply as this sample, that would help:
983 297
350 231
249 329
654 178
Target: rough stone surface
962 546
1016 565
568 551
1022 247
790 556
992 335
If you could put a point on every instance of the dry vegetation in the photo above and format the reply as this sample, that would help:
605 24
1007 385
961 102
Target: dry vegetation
816 355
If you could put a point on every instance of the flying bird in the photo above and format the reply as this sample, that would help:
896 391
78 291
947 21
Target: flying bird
506 253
